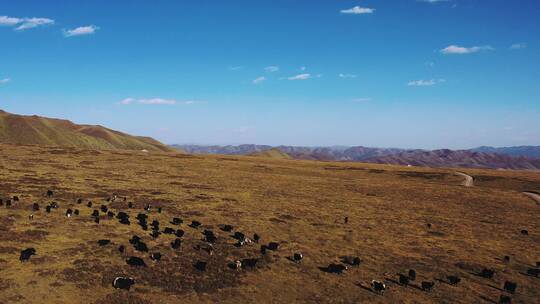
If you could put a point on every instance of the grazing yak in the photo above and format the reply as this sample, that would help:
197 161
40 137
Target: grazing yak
156 256
176 243
135 261
179 233
35 207
227 228
453 280
427 285
378 286
510 287
176 221
141 246
273 246
168 230
104 242
351 260
123 283
200 265
504 299
403 280
155 234
298 257
487 273
412 274
195 224
26 254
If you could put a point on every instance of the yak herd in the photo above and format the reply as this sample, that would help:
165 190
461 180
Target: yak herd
209 238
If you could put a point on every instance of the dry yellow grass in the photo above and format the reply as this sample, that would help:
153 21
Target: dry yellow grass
300 204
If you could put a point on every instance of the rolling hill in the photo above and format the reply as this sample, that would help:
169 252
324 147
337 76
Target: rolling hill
460 158
526 151
272 153
36 130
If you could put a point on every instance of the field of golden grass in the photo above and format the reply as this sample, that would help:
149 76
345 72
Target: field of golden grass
300 204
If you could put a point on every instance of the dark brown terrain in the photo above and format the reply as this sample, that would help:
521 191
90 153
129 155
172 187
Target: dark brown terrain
299 204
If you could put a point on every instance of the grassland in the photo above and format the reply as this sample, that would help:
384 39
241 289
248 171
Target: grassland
300 204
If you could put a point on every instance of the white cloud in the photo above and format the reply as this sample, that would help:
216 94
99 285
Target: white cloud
157 101
300 77
10 21
454 49
271 69
303 68
235 68
357 10
259 80
81 30
432 1
24 23
425 83
127 101
518 46
5 80
347 75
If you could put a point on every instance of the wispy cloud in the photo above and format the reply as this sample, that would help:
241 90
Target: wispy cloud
235 68
347 75
357 10
156 101
81 30
300 77
22 24
430 64
425 83
259 80
455 49
5 80
271 69
518 46
432 1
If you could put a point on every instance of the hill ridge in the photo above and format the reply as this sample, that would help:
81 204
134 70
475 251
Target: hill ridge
45 131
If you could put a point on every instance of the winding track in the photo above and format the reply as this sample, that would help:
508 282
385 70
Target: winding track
469 180
534 196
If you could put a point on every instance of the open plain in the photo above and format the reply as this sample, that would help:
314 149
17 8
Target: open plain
399 218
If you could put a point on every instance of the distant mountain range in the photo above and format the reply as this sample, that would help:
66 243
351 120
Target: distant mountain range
519 158
526 151
36 130
460 158
306 153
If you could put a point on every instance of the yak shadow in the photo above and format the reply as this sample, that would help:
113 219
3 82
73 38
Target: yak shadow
366 288
488 300
392 281
290 258
529 275
444 282
329 269
495 287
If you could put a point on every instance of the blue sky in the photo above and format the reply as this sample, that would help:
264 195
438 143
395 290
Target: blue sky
407 73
